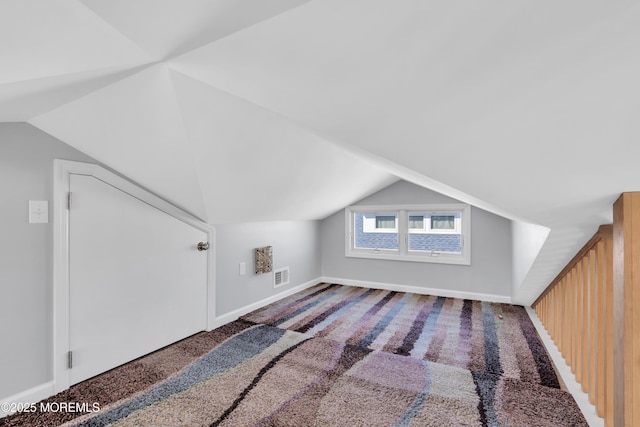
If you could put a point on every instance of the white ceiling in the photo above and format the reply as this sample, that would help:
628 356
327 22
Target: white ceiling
243 110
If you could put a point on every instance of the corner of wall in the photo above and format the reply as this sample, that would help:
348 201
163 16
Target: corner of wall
528 239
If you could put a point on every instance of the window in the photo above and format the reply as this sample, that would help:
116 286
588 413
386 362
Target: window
416 222
423 233
442 222
386 222
377 231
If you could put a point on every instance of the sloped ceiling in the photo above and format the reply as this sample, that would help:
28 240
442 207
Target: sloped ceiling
242 110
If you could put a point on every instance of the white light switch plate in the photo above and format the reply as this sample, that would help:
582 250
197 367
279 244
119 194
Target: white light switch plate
38 211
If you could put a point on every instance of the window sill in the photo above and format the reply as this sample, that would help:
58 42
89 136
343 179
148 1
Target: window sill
440 258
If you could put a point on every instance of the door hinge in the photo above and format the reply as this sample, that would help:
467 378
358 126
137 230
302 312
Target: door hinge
69 200
69 359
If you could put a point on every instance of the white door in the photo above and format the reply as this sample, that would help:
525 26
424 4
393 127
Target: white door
136 279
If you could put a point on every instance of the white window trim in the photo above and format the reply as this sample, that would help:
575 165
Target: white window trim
403 253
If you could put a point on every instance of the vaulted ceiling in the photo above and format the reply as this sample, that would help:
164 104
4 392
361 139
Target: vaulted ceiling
243 110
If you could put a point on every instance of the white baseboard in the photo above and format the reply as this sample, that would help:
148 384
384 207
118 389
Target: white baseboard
569 379
33 395
420 290
233 315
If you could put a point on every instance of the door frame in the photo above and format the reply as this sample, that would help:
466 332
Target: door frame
62 170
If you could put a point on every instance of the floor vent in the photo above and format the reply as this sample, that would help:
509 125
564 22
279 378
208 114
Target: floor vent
280 277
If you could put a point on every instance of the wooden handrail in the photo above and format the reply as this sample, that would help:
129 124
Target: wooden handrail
591 312
577 311
605 232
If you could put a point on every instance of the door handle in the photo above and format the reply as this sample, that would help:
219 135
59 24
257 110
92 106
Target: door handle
202 246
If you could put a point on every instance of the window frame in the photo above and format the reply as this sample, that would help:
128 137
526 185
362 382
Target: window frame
403 253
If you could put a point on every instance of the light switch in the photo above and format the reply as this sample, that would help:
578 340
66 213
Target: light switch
38 211
243 268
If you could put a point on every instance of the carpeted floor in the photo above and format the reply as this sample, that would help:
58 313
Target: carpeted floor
337 356
478 336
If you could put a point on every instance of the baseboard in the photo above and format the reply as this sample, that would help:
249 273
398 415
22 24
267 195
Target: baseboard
234 315
569 379
419 290
10 404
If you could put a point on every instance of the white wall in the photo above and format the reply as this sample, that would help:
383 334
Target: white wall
528 239
26 173
296 244
490 272
312 249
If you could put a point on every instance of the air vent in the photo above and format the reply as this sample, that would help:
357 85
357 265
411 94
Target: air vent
281 277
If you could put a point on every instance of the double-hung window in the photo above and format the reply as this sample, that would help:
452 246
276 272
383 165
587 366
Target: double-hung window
423 233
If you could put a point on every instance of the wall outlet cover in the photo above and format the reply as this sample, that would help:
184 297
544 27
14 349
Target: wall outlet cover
38 211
